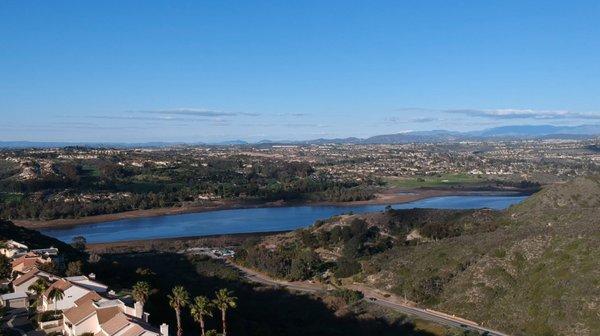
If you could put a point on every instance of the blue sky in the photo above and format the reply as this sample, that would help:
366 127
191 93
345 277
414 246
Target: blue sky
221 70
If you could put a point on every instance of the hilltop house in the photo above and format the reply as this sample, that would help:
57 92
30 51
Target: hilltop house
50 252
13 249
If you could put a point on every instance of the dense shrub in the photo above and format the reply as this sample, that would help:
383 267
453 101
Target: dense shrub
346 267
287 262
5 267
349 296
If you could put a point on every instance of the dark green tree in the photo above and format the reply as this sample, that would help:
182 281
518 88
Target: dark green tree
5 267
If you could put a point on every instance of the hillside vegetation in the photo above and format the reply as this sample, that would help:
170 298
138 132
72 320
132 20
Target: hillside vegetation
46 186
261 310
533 269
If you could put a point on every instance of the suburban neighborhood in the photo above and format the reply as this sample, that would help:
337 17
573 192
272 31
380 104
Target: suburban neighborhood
71 305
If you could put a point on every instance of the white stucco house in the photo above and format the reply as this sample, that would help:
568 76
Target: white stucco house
14 300
104 317
88 282
71 293
22 282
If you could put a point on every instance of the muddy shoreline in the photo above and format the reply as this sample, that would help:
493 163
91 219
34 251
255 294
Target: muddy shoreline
392 196
175 244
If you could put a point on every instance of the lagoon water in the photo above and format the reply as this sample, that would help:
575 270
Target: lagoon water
253 219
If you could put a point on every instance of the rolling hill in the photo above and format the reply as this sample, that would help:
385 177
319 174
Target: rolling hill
495 133
533 269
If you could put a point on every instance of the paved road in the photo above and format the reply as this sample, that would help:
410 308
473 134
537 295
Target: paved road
375 298
438 318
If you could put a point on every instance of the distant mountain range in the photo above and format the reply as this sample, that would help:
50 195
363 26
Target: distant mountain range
496 133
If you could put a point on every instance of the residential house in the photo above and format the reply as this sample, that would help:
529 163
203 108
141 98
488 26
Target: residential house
84 310
50 252
71 293
26 262
88 282
103 317
22 282
14 300
13 249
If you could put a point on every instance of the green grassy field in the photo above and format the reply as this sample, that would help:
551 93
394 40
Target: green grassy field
434 181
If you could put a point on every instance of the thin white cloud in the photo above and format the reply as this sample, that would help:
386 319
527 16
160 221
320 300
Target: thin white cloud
405 120
137 117
293 114
498 113
525 114
215 120
194 112
306 125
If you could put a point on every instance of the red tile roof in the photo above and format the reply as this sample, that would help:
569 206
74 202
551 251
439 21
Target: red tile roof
25 277
25 264
78 314
60 284
91 296
116 323
135 330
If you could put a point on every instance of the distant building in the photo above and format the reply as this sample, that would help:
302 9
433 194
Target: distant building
51 252
13 249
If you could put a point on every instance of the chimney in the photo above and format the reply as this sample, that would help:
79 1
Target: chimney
139 309
164 329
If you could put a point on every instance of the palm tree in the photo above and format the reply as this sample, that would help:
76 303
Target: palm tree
200 308
55 295
224 300
141 291
38 287
178 299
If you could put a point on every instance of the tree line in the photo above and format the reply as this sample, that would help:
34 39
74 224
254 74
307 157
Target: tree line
123 188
